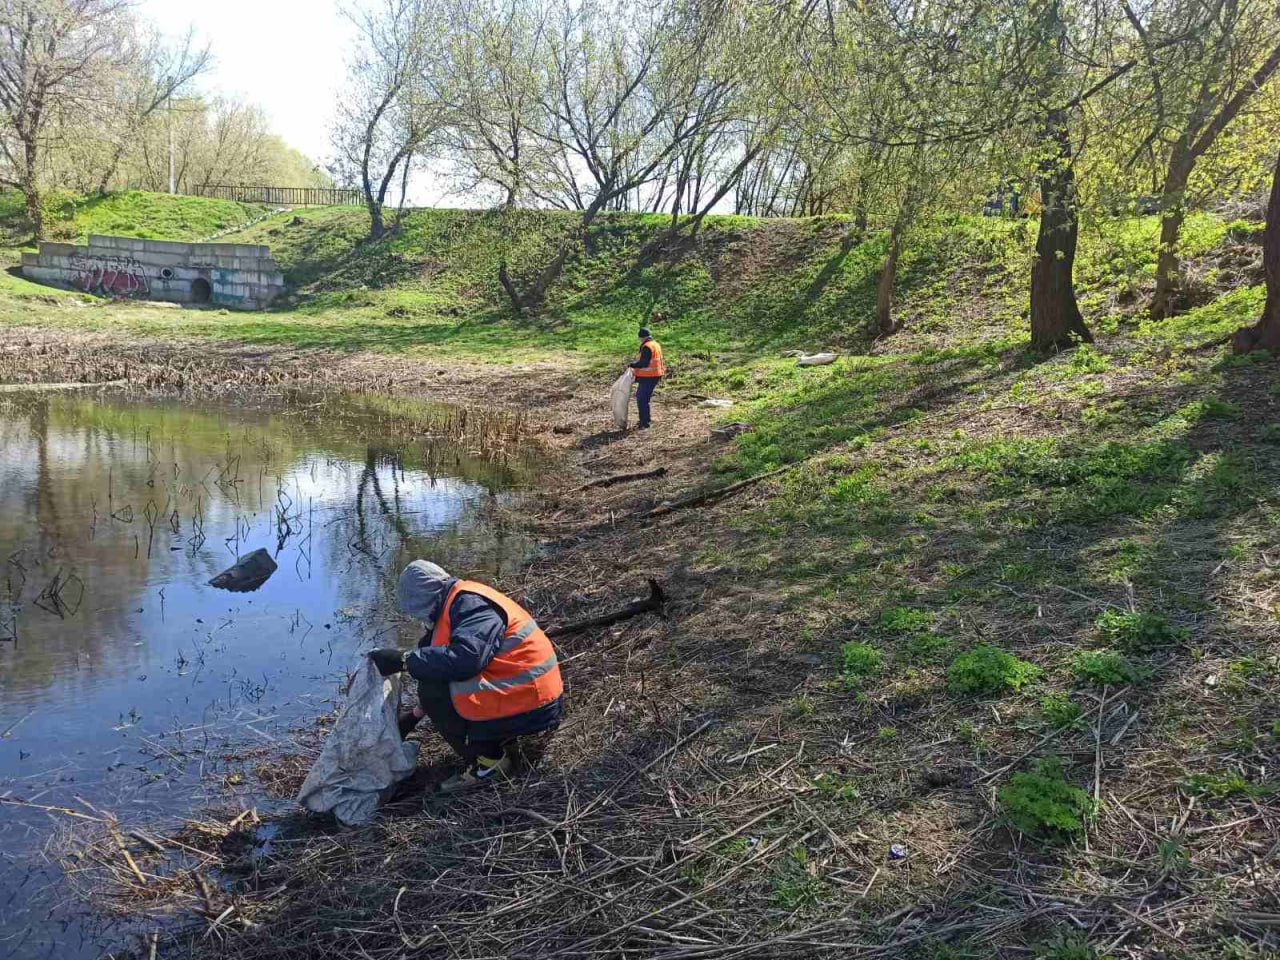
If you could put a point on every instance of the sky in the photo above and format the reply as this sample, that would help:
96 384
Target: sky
286 56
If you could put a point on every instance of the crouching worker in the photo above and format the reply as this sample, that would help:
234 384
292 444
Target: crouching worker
486 672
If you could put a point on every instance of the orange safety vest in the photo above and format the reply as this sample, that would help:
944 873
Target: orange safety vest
656 367
523 676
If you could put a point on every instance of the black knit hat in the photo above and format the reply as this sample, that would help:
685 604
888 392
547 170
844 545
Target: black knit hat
644 333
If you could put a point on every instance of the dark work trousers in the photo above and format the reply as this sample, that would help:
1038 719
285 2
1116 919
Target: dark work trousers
437 704
644 392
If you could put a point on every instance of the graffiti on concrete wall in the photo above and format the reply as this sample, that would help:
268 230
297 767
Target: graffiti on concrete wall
110 276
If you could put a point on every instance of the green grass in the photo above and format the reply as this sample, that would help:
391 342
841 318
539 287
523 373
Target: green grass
152 216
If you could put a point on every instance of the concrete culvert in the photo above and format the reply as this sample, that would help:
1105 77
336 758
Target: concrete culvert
201 292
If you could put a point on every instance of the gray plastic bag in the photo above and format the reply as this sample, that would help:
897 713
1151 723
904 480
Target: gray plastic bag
620 398
363 754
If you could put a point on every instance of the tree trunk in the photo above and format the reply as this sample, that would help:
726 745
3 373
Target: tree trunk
377 227
1055 316
117 155
536 294
1173 212
888 281
1265 334
35 210
31 190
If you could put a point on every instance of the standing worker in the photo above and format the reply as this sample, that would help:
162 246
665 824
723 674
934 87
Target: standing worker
486 672
649 370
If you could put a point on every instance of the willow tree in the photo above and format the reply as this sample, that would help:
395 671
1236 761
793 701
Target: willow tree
388 115
618 103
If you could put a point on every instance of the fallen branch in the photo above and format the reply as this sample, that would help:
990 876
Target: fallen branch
622 478
653 603
711 496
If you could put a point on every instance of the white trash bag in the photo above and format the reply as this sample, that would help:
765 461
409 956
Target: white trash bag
620 398
363 754
815 359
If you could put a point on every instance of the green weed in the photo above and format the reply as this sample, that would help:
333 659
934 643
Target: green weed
1139 632
1067 945
1042 804
1223 786
798 708
1173 856
796 884
838 788
859 662
1059 711
986 671
900 621
1102 667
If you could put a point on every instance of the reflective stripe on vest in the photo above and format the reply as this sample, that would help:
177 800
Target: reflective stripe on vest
523 675
656 367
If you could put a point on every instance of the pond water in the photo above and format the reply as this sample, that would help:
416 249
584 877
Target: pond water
126 679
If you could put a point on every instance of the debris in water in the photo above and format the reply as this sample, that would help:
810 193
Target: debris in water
249 573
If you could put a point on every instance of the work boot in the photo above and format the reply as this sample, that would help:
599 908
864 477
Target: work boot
484 770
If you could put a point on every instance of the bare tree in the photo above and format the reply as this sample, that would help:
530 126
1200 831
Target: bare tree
387 116
490 84
155 72
51 52
618 104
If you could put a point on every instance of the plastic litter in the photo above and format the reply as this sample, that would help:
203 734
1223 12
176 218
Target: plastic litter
249 572
363 754
718 404
897 851
816 359
620 398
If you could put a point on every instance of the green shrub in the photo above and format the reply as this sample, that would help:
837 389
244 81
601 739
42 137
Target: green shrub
987 670
1059 710
1140 631
1041 803
858 662
1101 667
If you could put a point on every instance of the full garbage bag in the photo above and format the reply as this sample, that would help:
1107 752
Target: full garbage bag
815 359
620 398
363 754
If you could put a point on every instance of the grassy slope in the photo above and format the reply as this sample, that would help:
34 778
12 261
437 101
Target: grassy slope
960 492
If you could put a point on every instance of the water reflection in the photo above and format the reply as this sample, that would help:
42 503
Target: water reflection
114 516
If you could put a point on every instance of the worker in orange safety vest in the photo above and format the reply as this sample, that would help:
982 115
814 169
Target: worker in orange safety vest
487 673
649 369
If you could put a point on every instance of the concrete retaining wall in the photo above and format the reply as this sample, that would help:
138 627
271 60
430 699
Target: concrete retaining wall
227 274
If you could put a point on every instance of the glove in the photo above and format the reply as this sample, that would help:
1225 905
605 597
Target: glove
389 661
